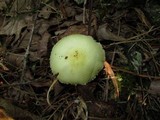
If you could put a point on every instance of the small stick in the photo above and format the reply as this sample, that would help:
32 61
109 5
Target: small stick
27 51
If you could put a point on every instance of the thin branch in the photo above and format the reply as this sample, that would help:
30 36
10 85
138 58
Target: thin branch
27 51
136 74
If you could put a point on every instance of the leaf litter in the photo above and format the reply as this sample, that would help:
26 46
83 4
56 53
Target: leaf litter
29 30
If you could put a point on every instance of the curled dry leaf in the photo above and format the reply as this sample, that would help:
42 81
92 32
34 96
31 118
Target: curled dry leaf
111 75
104 33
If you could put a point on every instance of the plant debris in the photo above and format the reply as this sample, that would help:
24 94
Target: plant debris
130 35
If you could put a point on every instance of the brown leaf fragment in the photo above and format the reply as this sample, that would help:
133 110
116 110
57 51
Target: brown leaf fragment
154 87
2 5
24 41
75 29
16 112
70 11
4 116
99 109
15 59
41 83
45 12
43 44
44 25
13 27
103 33
142 17
110 73
20 6
3 67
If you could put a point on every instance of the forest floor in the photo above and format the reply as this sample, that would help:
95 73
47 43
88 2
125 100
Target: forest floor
130 35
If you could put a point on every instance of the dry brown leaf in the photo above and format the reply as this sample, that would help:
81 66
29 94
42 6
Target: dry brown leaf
23 43
155 87
43 27
104 33
142 17
4 116
2 5
81 29
3 67
13 27
43 44
20 6
45 12
15 59
17 112
70 11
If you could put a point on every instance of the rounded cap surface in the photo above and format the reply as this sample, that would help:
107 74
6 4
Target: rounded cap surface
77 59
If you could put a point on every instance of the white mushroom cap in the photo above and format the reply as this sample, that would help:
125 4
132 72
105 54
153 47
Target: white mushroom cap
77 59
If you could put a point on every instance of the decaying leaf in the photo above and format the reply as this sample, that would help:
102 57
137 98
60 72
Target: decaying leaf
104 33
111 75
82 111
4 116
142 17
45 12
154 87
43 44
13 27
17 112
75 29
15 59
20 6
2 4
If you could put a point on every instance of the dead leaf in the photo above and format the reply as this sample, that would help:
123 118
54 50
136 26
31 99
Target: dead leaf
17 112
4 116
154 87
15 59
3 67
43 27
2 5
99 109
104 33
142 17
45 12
82 111
20 6
111 75
13 27
43 45
23 42
76 29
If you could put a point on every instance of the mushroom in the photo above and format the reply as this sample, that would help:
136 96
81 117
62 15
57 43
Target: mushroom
77 59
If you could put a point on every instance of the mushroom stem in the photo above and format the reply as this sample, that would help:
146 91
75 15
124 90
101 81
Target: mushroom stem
50 88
